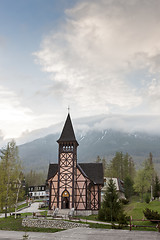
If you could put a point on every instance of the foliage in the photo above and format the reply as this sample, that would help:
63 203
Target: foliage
124 201
101 214
151 215
121 166
34 178
128 187
111 207
144 178
111 204
156 187
10 176
147 198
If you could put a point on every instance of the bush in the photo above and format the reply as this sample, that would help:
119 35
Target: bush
104 214
151 215
101 215
122 219
147 199
124 201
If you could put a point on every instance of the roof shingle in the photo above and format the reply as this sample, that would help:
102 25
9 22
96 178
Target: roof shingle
67 134
94 171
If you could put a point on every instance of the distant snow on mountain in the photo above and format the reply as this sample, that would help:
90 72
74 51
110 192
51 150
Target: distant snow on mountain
39 153
124 123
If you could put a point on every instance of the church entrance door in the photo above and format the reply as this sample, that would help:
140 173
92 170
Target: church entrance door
65 200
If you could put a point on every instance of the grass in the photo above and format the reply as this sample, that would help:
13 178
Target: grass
135 209
91 217
43 208
12 224
22 206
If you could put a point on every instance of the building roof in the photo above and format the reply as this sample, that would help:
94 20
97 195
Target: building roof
67 134
118 183
94 171
53 169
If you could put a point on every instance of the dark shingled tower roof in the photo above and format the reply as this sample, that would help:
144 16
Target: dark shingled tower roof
67 134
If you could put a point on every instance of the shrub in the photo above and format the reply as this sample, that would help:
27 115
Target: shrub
124 201
147 199
122 219
151 215
101 215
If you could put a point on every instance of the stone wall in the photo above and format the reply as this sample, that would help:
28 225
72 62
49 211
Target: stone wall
44 223
85 212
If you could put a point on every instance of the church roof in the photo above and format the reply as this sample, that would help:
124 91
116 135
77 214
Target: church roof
67 134
53 169
94 171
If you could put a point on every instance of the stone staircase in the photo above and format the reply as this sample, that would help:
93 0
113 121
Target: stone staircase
63 213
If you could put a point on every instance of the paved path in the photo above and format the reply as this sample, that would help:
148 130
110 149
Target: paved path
84 234
32 208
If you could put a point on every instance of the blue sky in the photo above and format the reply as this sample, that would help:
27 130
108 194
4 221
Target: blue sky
99 57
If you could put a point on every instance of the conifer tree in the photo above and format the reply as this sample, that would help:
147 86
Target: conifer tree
121 166
156 187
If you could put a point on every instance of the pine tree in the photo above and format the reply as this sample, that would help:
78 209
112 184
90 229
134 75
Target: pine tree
128 187
121 166
111 206
156 187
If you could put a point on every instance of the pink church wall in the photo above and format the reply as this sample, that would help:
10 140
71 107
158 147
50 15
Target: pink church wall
82 188
54 186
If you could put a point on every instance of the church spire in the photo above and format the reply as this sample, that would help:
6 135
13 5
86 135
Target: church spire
67 134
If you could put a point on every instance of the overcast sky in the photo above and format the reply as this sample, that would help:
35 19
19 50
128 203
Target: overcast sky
97 56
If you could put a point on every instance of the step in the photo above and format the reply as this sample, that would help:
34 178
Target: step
63 211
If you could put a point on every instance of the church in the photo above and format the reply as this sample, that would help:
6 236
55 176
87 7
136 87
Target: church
72 184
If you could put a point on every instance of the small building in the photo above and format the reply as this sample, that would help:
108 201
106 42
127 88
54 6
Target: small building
119 187
38 192
72 184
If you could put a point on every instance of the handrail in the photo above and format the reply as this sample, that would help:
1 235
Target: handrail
138 220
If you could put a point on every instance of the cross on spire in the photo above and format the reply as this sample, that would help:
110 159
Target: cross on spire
68 109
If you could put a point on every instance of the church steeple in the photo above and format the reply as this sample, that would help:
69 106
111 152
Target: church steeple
67 166
67 134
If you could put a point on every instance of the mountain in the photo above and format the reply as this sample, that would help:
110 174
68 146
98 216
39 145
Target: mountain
39 153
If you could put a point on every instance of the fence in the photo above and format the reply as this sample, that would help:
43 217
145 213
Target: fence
143 220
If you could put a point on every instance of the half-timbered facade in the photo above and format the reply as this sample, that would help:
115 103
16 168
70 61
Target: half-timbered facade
71 184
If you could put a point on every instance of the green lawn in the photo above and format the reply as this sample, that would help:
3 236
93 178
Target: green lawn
91 217
22 206
12 224
135 209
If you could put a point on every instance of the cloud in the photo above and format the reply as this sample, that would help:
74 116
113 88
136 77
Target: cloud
99 45
130 123
13 115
